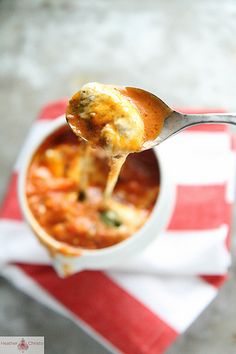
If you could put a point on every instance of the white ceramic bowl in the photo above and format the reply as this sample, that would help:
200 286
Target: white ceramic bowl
68 259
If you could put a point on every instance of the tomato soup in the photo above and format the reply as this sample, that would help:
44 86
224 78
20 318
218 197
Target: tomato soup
65 187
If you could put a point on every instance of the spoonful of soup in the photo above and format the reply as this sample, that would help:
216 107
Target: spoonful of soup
122 120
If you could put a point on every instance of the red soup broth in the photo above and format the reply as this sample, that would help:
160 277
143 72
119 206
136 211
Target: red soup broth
78 216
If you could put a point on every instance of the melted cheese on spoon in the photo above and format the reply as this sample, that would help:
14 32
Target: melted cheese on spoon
119 119
104 117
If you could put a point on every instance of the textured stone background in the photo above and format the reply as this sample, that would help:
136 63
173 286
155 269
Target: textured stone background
184 51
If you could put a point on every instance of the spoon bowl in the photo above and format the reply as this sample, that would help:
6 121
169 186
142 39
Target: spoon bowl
159 120
175 122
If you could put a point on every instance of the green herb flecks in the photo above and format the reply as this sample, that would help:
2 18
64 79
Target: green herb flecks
110 218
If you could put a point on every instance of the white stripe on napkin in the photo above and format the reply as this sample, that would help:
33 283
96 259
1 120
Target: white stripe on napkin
200 142
183 252
192 168
19 244
177 300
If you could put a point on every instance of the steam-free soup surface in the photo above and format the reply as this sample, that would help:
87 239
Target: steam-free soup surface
78 216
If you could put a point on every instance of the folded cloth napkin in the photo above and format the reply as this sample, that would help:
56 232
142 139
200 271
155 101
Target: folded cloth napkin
142 305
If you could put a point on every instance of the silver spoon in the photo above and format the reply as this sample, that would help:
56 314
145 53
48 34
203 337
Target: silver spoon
175 122
171 122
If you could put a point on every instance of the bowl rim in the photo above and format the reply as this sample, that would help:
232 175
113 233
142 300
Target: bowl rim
137 241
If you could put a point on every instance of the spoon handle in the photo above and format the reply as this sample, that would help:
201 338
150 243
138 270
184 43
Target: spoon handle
179 121
193 119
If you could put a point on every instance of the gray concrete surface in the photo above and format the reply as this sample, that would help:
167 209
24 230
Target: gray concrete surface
185 51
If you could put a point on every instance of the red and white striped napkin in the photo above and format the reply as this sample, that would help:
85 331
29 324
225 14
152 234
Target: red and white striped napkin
141 306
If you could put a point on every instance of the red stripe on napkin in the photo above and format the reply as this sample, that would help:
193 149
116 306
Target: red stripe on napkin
200 208
201 111
53 110
215 280
233 142
10 208
109 309
208 128
205 127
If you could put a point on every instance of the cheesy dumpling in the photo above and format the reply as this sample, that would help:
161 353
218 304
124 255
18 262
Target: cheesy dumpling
105 117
